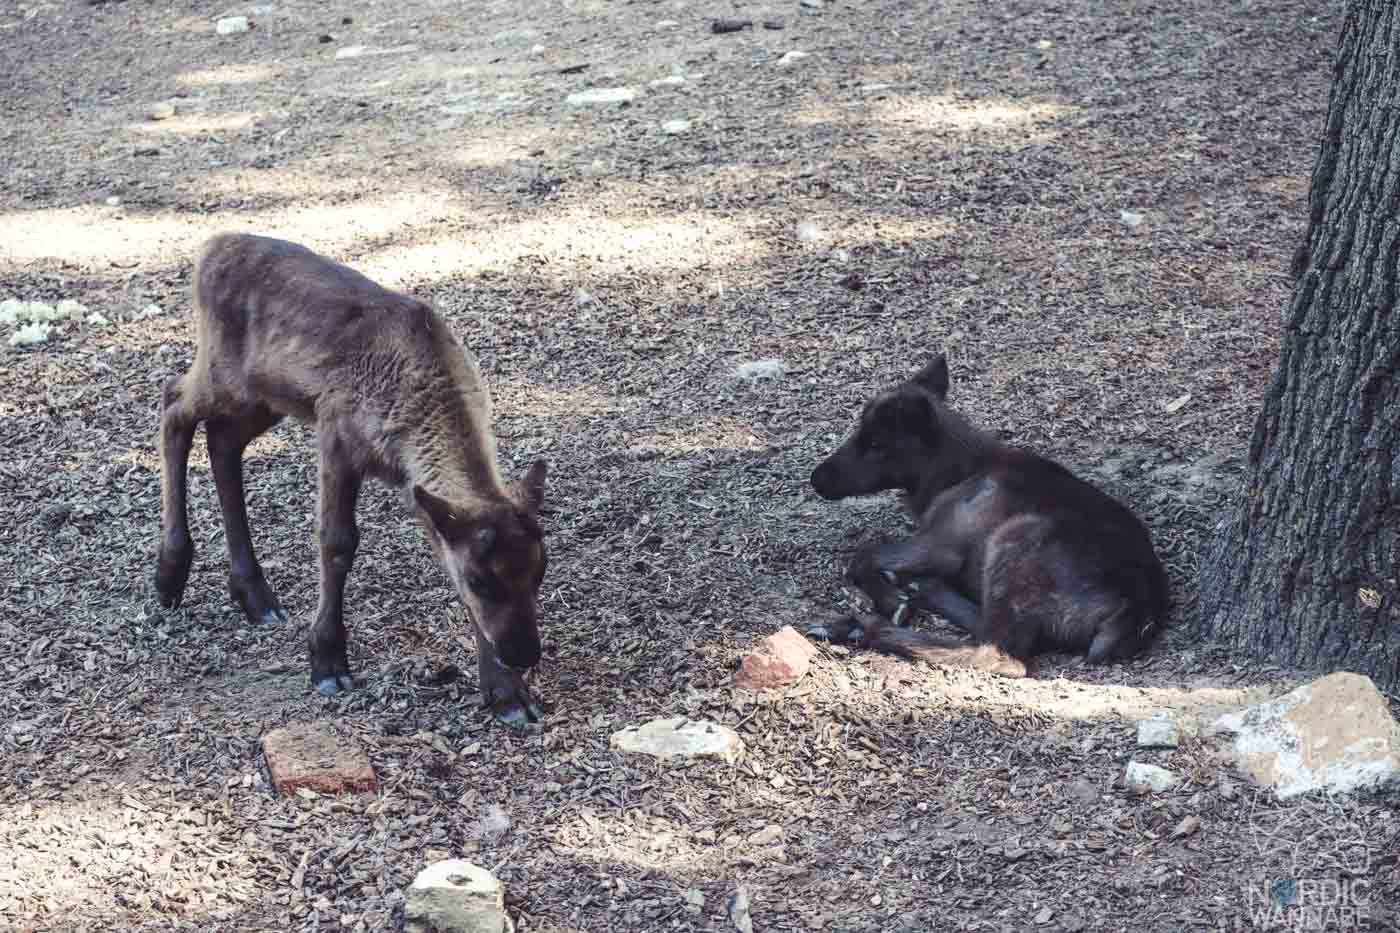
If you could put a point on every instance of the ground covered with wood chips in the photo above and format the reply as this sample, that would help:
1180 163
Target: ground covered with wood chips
1091 206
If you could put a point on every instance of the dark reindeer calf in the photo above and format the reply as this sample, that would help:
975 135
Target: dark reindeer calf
1011 547
392 394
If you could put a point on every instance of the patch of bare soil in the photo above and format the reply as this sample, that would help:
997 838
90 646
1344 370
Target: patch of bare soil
959 172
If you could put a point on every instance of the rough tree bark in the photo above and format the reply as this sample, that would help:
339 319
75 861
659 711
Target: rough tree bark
1307 571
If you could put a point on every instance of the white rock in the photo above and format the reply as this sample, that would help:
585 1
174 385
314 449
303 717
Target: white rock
601 95
1045 45
668 81
98 319
495 822
151 310
739 910
230 25
1144 778
359 51
455 896
1158 733
813 4
761 369
161 111
809 232
873 88
1334 734
667 23
114 201
1131 219
30 334
791 58
675 127
37 312
520 36
680 737
582 298
537 49
68 308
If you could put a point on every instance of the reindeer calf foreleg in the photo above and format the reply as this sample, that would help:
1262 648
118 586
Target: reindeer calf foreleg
880 570
338 539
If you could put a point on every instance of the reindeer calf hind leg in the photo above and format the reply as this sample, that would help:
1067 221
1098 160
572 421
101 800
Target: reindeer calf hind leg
178 421
228 438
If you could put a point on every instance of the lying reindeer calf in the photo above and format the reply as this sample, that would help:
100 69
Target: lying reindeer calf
1011 547
392 394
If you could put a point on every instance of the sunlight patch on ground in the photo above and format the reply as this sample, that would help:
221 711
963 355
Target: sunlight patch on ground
544 402
100 235
966 116
486 151
226 74
110 858
702 435
189 124
575 236
1066 698
145 459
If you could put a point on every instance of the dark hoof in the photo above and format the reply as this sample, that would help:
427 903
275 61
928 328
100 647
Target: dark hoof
511 702
172 573
333 684
519 716
257 601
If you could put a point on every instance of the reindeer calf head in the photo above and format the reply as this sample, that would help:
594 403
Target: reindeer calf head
894 443
494 553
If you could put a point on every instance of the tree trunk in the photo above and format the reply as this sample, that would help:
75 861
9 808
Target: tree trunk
1306 572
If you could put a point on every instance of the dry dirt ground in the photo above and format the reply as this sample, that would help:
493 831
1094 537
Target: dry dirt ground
937 174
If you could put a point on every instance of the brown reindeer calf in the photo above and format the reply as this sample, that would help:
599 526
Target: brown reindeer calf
392 394
1011 547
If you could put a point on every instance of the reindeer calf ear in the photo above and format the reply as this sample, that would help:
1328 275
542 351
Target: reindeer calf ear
532 485
934 376
439 512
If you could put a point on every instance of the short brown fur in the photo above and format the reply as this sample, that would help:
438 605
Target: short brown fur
392 394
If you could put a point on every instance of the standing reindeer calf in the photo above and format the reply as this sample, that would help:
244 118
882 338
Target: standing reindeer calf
392 394
1011 547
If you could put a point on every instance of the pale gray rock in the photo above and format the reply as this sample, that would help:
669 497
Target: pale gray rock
680 737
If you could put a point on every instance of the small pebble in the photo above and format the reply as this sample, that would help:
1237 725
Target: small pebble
161 111
791 58
231 25
1158 733
675 127
721 26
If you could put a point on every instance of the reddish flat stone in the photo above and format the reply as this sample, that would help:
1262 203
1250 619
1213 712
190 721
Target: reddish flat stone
780 659
311 756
